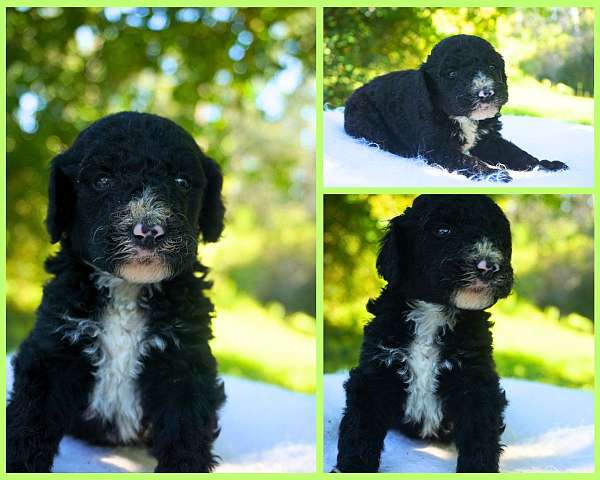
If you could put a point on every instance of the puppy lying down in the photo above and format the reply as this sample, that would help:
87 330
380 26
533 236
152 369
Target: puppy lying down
426 366
447 112
119 353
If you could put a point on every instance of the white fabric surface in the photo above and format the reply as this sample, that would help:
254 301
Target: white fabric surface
548 429
350 162
263 429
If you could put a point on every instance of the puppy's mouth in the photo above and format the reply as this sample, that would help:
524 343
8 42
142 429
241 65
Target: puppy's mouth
484 110
144 255
144 265
478 295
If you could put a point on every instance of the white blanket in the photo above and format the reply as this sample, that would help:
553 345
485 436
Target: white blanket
352 163
263 429
548 429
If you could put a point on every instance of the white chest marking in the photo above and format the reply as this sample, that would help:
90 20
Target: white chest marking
120 344
423 406
468 134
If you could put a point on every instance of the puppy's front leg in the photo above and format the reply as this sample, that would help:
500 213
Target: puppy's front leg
32 434
181 400
495 150
42 404
366 420
468 165
478 425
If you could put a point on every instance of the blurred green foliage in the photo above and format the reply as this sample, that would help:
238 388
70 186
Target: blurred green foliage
541 46
241 81
543 331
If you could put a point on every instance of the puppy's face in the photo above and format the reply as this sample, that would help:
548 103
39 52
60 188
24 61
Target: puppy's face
132 195
468 77
449 249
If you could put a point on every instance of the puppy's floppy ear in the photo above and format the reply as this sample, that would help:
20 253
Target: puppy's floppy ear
61 197
502 66
212 215
392 250
423 89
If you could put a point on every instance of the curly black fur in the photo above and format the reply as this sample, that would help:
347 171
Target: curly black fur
426 366
447 112
123 169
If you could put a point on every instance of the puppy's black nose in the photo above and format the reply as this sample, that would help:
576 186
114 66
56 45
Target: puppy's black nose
145 233
486 270
486 93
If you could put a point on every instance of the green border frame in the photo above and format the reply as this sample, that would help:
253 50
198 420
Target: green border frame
319 6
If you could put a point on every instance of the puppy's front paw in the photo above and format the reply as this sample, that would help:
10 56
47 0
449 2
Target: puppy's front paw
500 176
493 175
553 165
184 465
23 459
356 466
481 170
16 467
23 467
475 466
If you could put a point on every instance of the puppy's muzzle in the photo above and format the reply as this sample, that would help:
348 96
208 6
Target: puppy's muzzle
148 236
486 94
487 270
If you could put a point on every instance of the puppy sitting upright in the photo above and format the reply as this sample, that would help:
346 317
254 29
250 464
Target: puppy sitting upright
119 353
447 112
426 366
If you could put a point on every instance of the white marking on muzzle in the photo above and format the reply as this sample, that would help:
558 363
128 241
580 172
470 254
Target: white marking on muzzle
481 81
484 249
148 207
486 110
468 298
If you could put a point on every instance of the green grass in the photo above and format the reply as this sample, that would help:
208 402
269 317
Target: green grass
536 345
533 98
263 344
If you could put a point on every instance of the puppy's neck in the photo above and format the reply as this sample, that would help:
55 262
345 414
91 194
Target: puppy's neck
430 317
117 288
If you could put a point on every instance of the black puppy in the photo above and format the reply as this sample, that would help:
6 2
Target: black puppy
447 112
426 366
119 353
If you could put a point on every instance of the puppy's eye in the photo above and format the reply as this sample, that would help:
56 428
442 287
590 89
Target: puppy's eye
102 182
183 183
442 231
492 67
452 74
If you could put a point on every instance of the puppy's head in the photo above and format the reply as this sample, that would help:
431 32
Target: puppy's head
449 249
467 77
132 195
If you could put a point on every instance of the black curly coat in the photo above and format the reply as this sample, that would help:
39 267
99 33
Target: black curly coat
426 366
447 112
120 295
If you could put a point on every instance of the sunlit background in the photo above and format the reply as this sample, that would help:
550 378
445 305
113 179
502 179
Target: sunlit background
549 52
241 81
544 331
